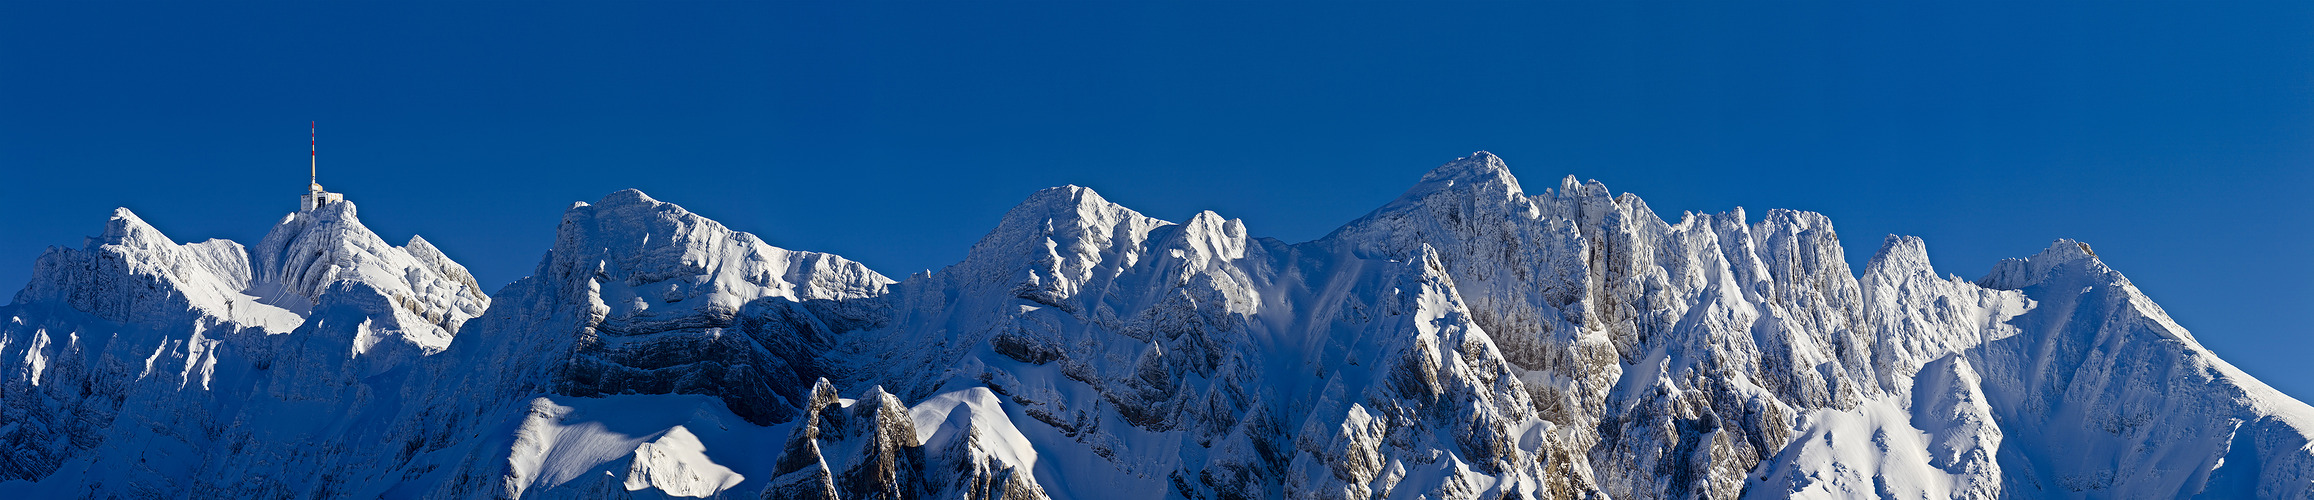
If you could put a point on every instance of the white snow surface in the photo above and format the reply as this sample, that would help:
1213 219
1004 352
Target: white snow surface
655 443
979 413
1468 340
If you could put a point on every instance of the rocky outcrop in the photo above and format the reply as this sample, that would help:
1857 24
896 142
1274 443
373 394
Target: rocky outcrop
861 449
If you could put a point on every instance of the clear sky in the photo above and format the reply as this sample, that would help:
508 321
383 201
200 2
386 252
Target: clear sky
2178 139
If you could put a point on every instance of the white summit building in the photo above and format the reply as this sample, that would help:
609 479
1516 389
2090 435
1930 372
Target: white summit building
314 196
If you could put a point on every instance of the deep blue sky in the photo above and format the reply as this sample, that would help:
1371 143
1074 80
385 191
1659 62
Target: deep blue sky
2177 139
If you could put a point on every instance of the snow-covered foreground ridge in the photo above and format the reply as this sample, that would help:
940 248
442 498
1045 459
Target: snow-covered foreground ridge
1468 340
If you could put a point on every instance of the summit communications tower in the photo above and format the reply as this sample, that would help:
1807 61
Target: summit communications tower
314 196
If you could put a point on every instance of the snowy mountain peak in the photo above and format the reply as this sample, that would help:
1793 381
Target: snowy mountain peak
310 253
1480 176
2012 274
1463 197
134 274
1900 254
1575 187
127 230
1068 211
2064 251
1051 243
632 197
677 259
1210 236
1479 168
643 296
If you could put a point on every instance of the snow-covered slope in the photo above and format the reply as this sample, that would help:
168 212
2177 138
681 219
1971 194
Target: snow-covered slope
308 253
136 366
1470 339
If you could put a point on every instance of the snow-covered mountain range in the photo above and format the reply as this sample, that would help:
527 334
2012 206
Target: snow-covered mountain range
1470 339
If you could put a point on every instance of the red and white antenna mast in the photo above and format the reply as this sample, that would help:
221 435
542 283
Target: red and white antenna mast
313 153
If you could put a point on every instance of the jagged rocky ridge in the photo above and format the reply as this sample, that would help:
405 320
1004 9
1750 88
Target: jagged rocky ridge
1468 340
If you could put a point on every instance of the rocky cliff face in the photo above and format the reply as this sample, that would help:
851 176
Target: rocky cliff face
1467 340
